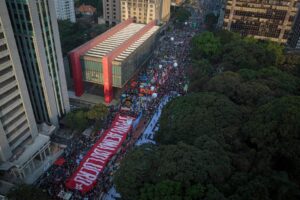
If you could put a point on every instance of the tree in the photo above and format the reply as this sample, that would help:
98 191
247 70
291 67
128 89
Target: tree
274 131
73 35
199 73
187 118
170 172
165 190
182 15
210 21
227 36
135 171
239 54
280 82
97 112
77 120
205 45
246 92
27 192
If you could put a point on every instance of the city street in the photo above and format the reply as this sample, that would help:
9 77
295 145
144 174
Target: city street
164 78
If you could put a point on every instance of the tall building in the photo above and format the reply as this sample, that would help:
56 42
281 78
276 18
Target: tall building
145 11
23 149
111 12
263 19
35 29
65 10
294 40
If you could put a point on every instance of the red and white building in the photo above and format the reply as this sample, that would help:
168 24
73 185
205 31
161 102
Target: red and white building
108 61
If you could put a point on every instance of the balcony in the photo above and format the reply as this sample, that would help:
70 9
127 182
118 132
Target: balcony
8 87
10 107
9 97
5 65
15 124
4 53
13 116
6 76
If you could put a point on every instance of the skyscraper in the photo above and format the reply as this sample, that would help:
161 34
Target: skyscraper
263 19
65 10
294 40
22 149
144 11
36 33
111 12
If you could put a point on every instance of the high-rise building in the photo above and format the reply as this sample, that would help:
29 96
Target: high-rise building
65 10
263 19
111 12
35 29
24 152
144 11
294 40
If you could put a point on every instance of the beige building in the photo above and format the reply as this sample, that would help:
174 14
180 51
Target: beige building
36 34
144 11
25 149
111 12
271 20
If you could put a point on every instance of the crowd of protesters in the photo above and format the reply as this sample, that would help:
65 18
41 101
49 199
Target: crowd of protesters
163 77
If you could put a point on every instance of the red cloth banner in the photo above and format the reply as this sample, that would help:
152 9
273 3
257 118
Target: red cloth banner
85 177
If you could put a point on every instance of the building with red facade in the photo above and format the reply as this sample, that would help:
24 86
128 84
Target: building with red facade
111 59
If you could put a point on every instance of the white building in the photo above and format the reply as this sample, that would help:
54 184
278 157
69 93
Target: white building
32 88
65 10
25 147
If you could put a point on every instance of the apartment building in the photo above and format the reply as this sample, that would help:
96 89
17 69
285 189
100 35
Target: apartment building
263 19
24 145
36 33
145 11
65 10
111 12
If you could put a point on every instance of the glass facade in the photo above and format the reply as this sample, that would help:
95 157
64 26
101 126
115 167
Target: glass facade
92 70
25 39
48 39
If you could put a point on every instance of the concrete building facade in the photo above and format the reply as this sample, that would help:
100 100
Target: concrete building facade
36 33
24 145
111 59
294 40
263 19
65 10
111 12
145 11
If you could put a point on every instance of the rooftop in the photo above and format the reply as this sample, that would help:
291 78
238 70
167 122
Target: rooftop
113 42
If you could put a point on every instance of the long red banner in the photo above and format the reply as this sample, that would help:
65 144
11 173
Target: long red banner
85 177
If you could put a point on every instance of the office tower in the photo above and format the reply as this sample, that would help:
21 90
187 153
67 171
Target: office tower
263 19
144 11
36 33
22 148
294 40
65 10
111 12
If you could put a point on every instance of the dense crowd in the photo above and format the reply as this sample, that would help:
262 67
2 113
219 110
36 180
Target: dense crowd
163 76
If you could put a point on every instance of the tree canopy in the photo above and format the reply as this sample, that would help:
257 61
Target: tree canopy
73 35
235 136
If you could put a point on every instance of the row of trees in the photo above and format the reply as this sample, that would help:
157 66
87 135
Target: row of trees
82 118
73 35
236 136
